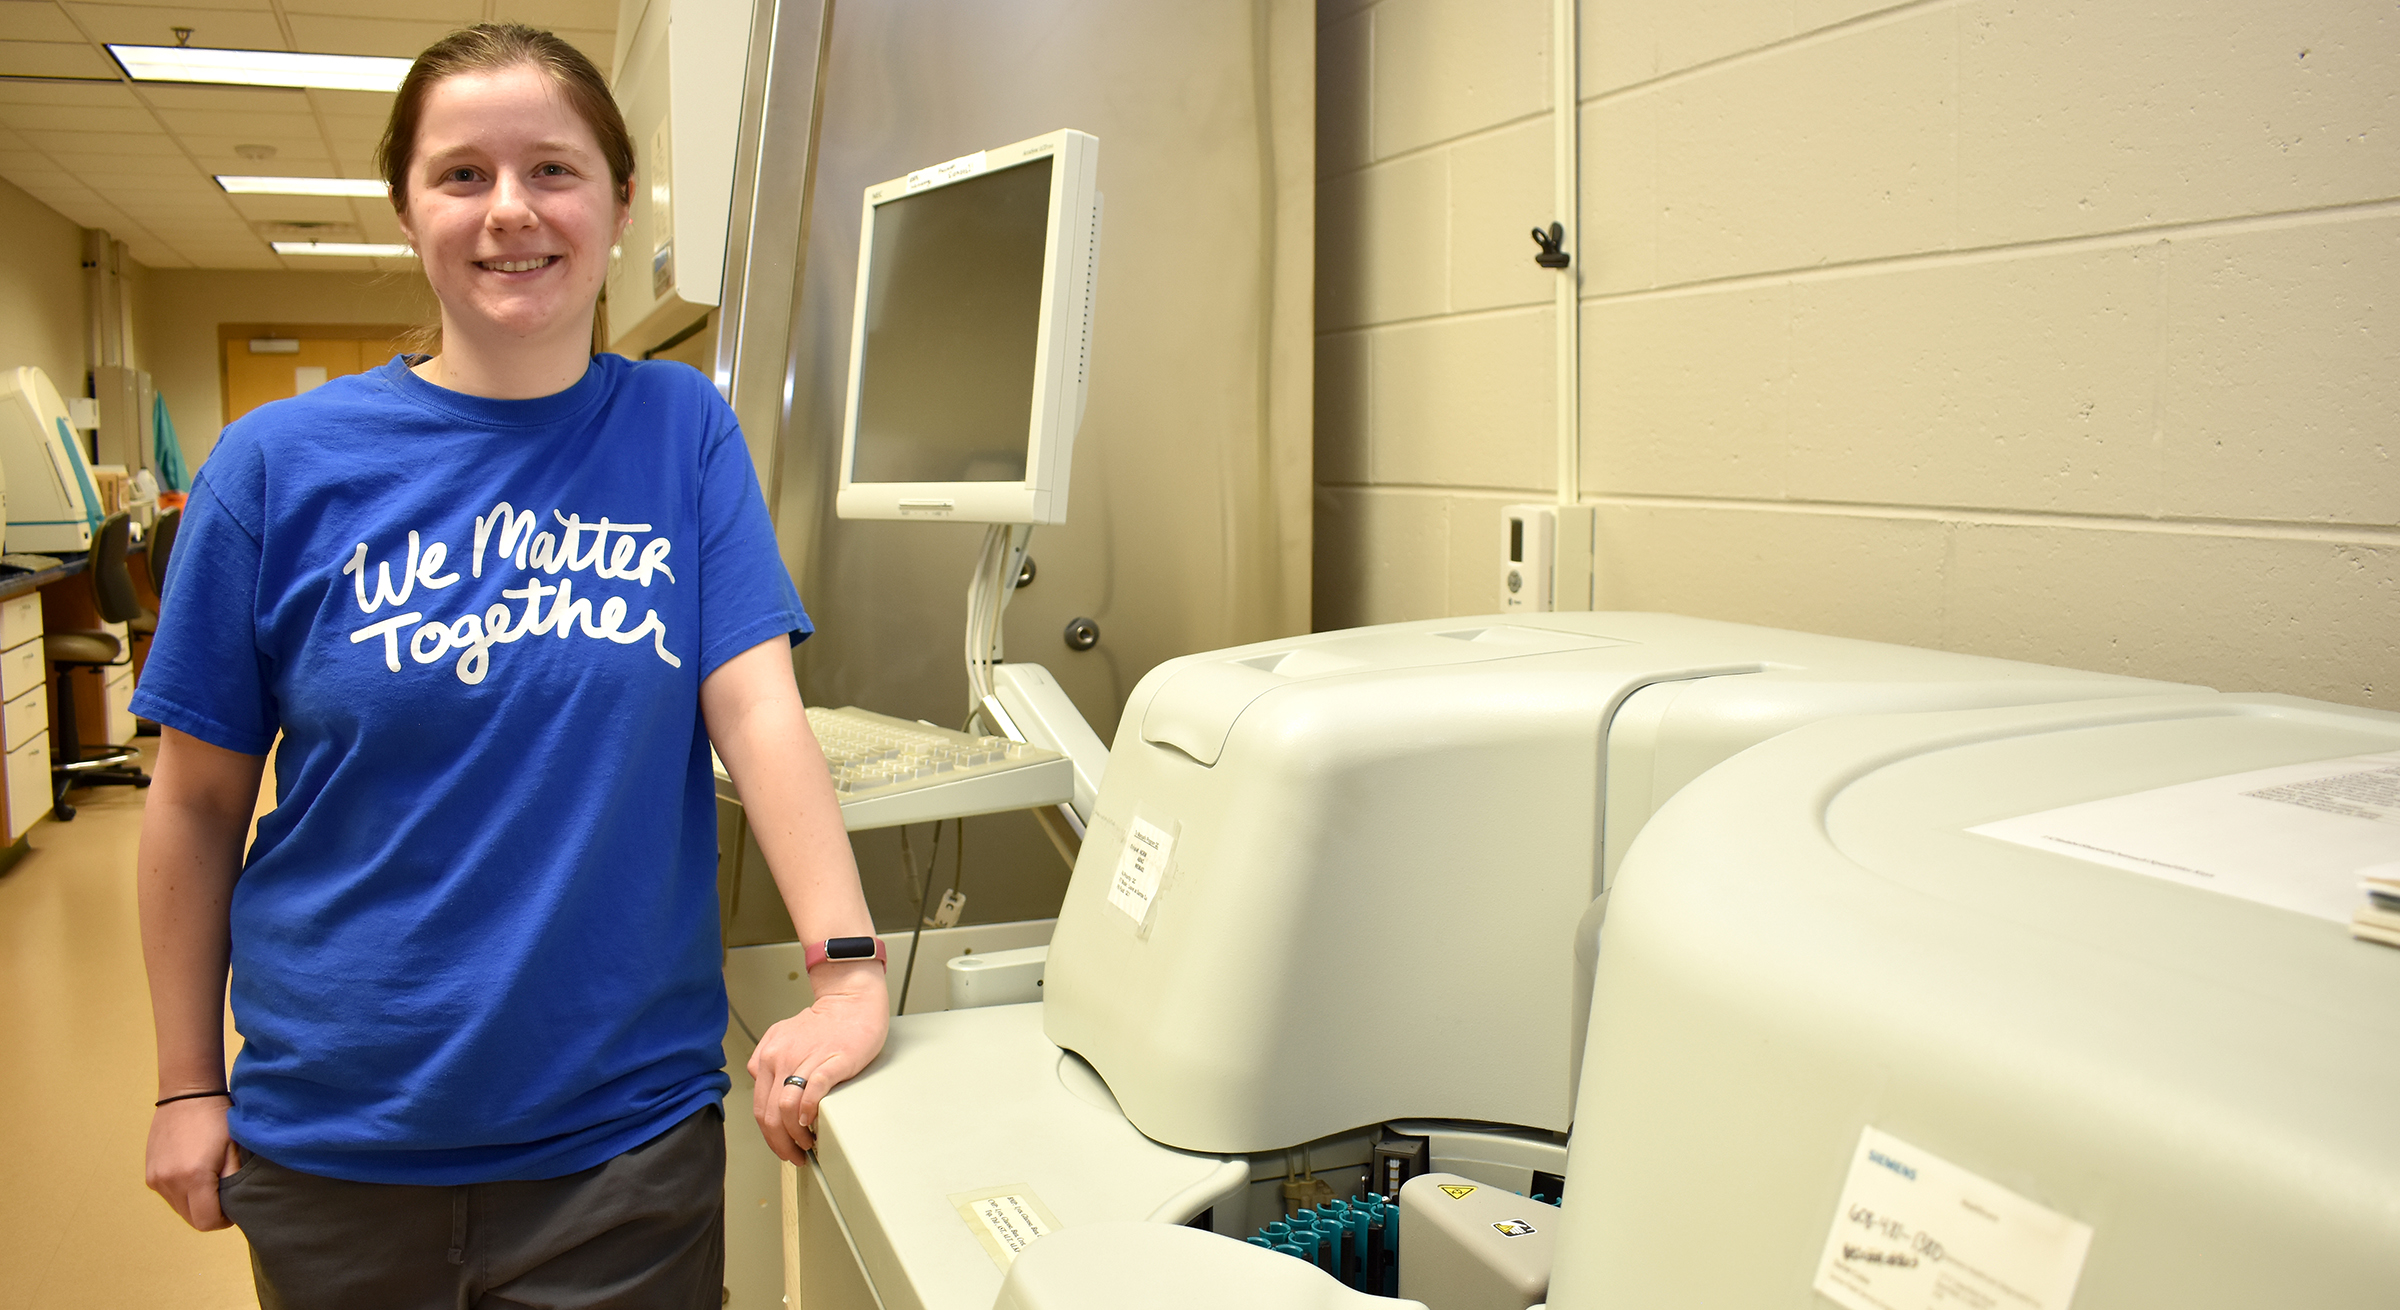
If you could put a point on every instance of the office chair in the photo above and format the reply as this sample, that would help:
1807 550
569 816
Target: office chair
144 626
162 542
112 595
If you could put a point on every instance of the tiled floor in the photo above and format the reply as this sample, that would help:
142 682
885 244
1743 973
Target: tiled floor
77 1228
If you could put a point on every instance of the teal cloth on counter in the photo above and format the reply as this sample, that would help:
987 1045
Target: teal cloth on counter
166 455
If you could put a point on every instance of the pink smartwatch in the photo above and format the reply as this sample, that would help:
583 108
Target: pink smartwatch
847 948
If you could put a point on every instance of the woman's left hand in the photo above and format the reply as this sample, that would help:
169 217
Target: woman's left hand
827 1044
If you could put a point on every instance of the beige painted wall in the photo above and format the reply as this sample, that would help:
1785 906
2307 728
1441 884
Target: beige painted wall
2050 330
41 291
176 313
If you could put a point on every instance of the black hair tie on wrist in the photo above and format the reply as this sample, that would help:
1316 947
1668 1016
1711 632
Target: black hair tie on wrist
193 1096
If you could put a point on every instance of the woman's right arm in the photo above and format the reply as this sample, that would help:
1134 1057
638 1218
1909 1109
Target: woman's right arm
193 822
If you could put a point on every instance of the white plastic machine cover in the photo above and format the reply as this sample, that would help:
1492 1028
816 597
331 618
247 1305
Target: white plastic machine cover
1110 1266
971 1104
1808 943
49 486
1371 848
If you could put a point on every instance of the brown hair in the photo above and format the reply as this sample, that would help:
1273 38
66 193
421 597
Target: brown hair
490 48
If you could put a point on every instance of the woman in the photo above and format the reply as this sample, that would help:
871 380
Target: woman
497 603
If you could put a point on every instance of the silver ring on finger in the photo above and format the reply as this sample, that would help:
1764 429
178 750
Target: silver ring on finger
796 1080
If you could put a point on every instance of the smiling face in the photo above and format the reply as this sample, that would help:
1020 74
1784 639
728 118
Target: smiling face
510 205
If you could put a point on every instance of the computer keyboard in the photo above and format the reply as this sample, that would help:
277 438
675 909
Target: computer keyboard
890 771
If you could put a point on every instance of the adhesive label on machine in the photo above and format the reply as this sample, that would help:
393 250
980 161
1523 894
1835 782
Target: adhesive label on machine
1514 1228
1457 1191
1005 1220
1915 1232
1134 889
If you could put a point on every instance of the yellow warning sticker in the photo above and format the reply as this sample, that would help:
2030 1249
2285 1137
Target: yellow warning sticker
1514 1228
1457 1191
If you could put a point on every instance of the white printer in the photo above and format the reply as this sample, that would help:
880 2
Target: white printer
2026 1007
52 505
1329 882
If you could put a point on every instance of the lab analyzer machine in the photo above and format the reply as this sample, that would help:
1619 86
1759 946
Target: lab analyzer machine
52 504
1325 920
2053 1007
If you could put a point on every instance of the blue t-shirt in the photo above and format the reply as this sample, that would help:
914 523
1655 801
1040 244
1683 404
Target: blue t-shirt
477 937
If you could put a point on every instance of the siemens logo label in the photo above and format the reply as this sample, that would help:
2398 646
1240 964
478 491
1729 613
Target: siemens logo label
1894 1165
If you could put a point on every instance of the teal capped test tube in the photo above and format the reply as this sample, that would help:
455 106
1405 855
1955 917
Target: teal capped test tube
1293 1251
1260 1241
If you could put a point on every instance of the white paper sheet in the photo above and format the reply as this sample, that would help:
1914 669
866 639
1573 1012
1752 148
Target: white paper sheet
2298 837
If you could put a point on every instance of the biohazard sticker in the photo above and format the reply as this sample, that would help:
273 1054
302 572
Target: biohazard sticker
1513 1227
1457 1191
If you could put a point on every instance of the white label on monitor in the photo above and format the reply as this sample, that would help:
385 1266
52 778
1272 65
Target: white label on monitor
1134 889
1915 1232
963 166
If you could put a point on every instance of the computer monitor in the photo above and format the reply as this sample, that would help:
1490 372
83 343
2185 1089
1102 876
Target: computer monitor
970 336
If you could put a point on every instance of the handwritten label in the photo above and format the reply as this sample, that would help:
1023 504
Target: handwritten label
1005 1220
1915 1232
948 171
1134 889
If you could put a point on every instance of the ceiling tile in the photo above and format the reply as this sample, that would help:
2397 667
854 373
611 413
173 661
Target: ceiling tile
29 20
54 59
163 184
590 15
216 153
216 6
348 127
354 104
398 38
451 13
246 124
36 177
94 95
314 208
264 100
67 145
76 118
220 29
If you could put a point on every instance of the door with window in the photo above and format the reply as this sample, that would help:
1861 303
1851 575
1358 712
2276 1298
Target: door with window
268 361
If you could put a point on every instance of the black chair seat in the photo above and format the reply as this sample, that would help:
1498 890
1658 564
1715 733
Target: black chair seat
82 647
144 624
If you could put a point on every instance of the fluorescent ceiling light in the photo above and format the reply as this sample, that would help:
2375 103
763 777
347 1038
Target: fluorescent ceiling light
360 249
300 186
167 63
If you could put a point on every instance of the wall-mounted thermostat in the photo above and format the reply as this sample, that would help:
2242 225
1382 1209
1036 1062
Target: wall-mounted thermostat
1546 558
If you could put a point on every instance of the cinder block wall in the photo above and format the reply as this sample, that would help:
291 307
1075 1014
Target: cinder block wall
2064 332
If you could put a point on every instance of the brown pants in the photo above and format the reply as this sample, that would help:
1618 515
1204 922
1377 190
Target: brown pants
646 1229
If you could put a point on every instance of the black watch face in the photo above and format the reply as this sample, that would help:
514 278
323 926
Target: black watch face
849 948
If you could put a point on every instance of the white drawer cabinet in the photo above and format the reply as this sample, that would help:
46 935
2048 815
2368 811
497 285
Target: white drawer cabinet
21 668
22 718
20 620
25 713
117 703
